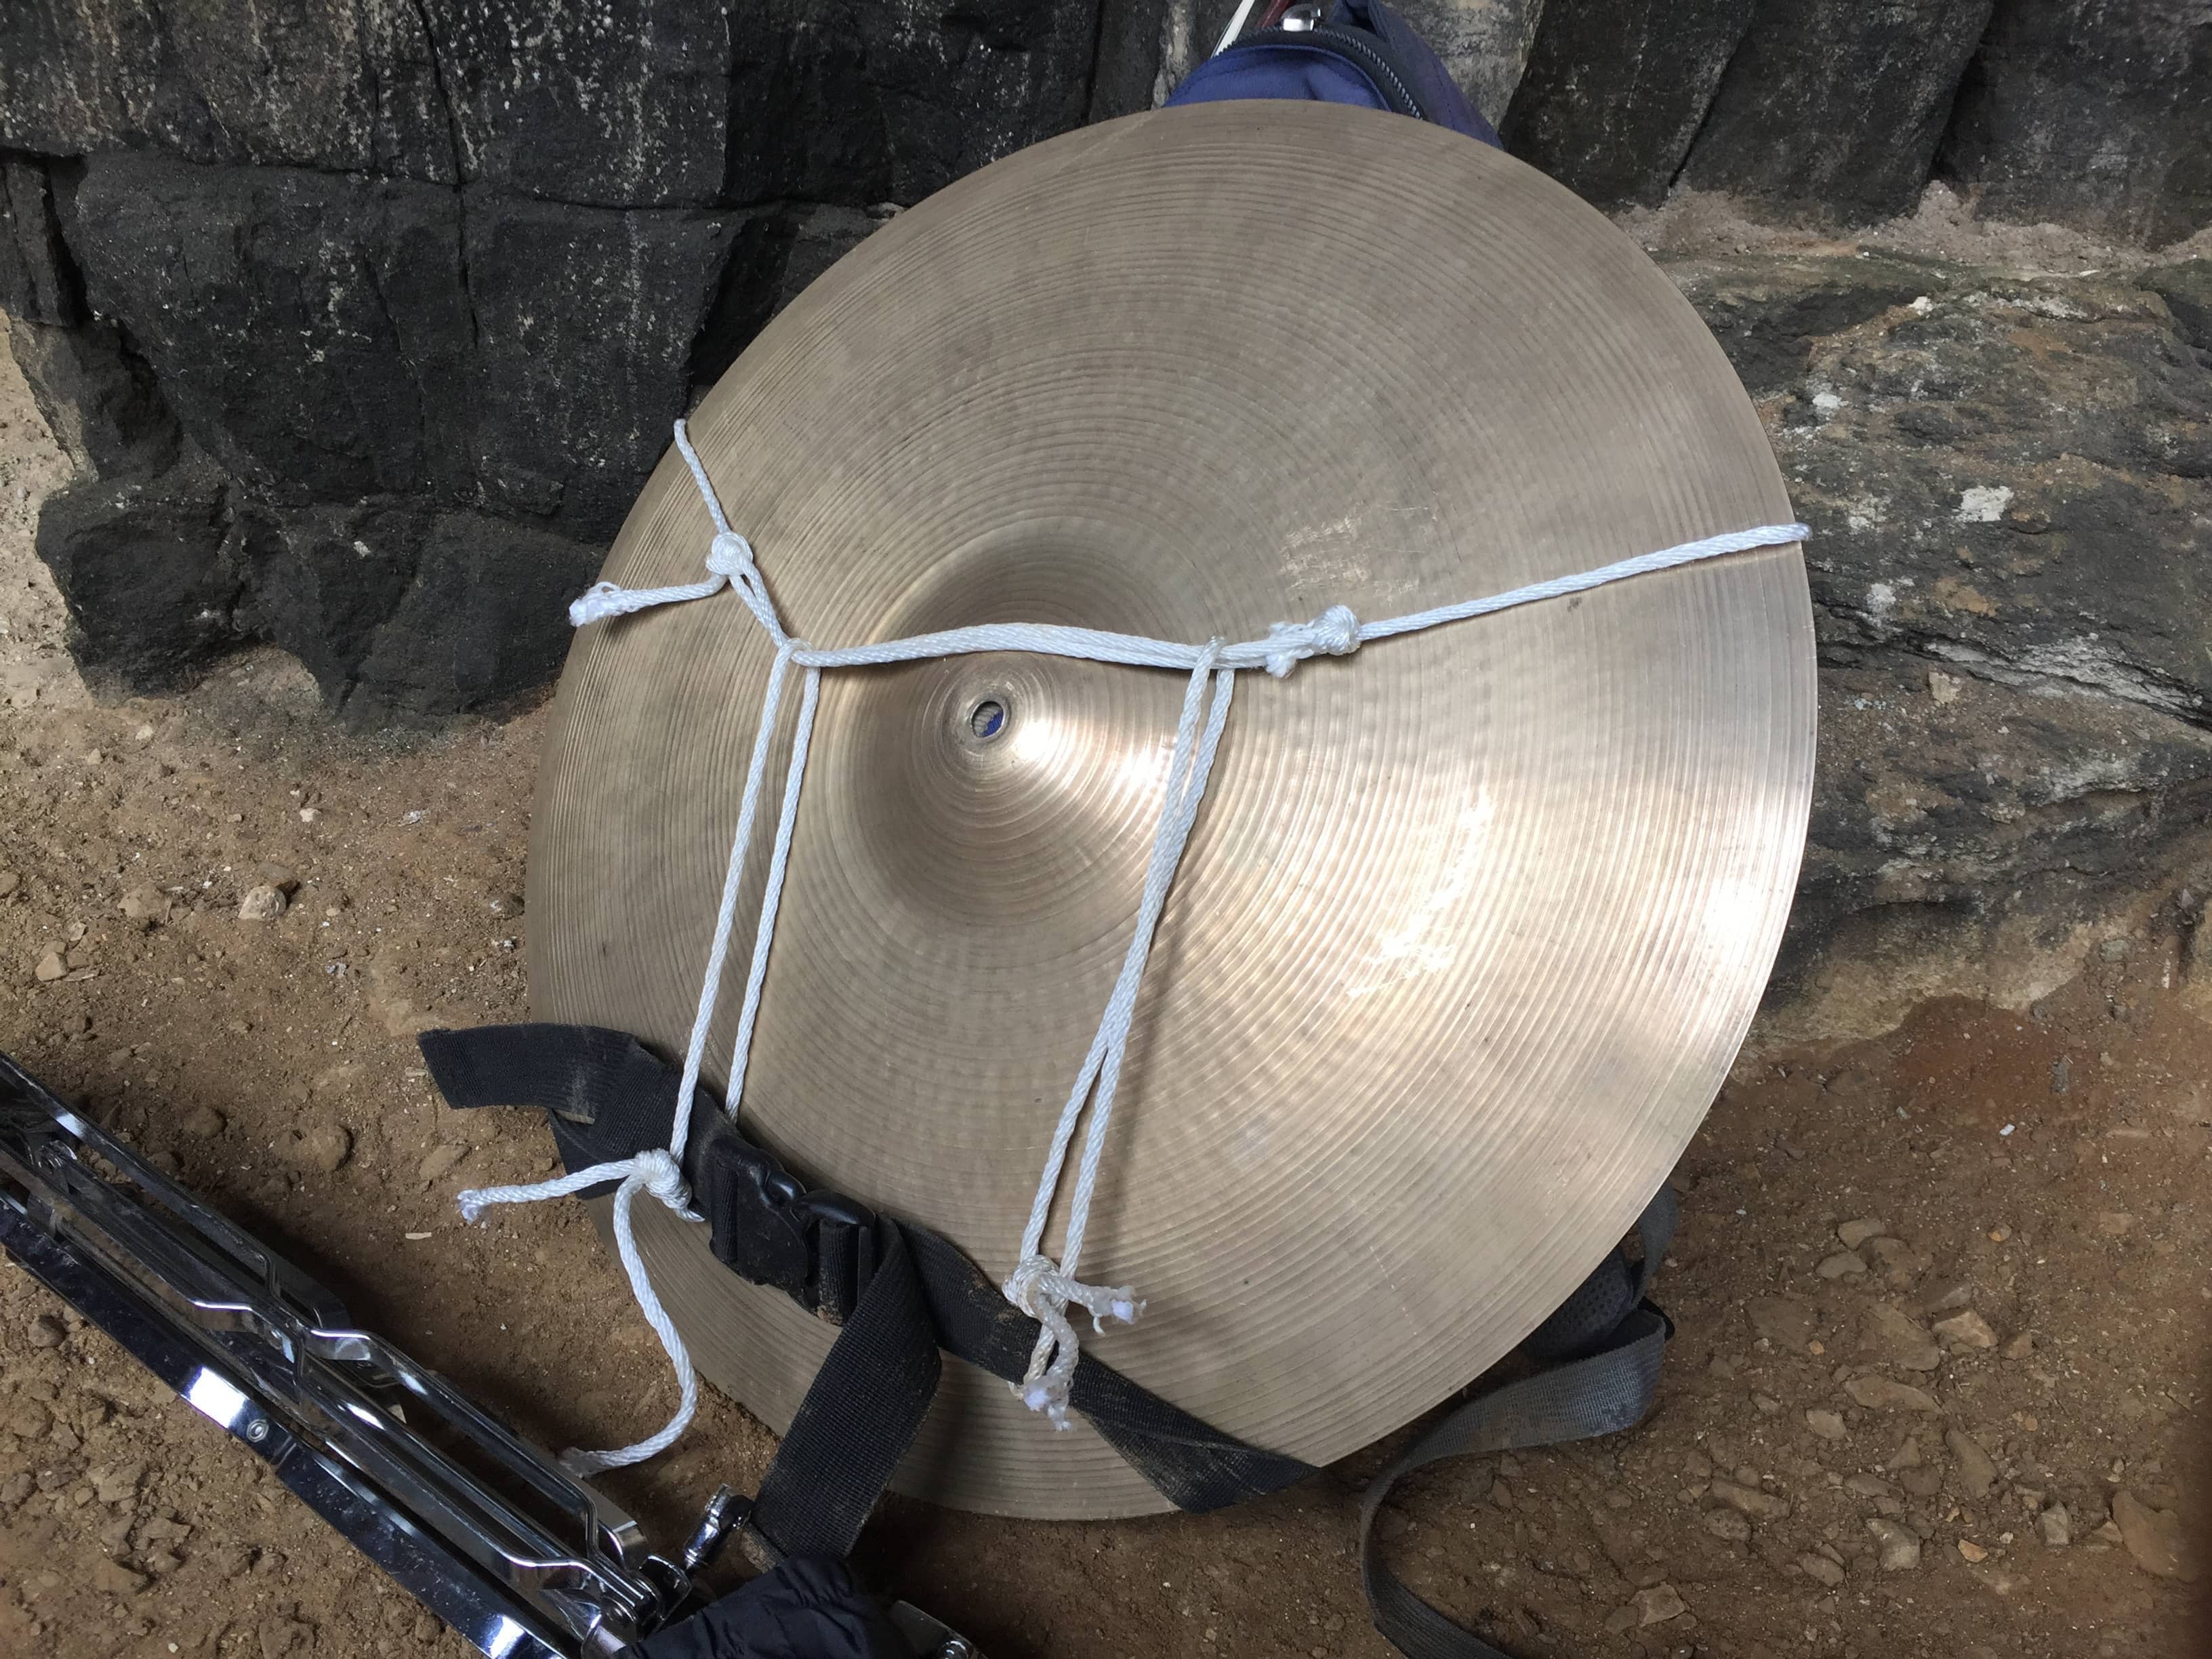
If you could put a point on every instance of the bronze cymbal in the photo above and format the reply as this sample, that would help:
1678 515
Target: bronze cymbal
1472 923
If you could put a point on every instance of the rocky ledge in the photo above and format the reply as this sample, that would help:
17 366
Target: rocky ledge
2008 480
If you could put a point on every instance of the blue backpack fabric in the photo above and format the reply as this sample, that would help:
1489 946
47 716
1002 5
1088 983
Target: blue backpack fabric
1362 53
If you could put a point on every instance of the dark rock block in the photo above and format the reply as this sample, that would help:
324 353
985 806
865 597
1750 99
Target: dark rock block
323 580
328 338
405 614
860 101
1832 110
821 236
618 104
141 566
344 85
484 621
1616 89
745 299
1484 43
2009 487
37 283
621 103
310 331
2090 114
2187 291
585 322
97 397
1146 47
1769 328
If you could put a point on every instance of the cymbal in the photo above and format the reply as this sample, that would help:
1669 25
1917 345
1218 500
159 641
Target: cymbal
1472 923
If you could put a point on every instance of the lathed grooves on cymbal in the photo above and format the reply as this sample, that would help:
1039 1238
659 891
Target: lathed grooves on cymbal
1471 923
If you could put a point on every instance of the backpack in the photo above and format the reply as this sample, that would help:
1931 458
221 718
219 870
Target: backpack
1362 53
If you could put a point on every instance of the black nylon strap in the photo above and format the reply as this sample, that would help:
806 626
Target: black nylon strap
608 1097
604 1093
903 1292
858 1418
1619 1337
1194 1465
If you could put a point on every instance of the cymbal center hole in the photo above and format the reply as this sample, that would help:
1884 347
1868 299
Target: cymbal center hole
988 718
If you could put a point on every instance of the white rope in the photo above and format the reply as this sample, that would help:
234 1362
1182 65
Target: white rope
1040 1286
656 1172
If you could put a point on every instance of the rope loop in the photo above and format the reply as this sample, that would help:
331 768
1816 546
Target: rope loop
656 1171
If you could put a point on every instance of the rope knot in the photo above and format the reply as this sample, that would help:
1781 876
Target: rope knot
1042 1291
730 554
659 1174
1334 633
1026 1280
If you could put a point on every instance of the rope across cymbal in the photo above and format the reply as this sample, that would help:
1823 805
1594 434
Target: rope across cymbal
1039 1286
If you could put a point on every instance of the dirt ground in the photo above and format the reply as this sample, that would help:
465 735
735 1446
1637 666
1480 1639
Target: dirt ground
1942 1293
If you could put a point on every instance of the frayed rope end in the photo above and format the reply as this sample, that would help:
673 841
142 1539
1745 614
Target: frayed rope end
1040 1397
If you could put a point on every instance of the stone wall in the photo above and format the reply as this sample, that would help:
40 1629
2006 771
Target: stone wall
2009 481
364 320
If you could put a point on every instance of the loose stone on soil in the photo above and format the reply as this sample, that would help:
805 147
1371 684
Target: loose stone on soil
1898 1547
146 905
46 1332
2152 1537
1943 1297
117 1579
1976 1471
1901 1263
1882 1394
1658 1604
1972 1551
1783 1321
1892 1336
1844 1264
1750 1500
51 968
322 1149
1969 1329
1829 1425
1855 1233
2056 1526
1820 1570
262 903
201 1122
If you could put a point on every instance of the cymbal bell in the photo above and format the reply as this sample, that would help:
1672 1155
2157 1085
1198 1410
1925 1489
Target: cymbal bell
1471 923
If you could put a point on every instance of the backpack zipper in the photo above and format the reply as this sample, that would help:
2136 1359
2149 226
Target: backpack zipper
1357 47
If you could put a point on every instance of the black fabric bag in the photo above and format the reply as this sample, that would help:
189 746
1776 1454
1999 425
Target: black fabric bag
809 1607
